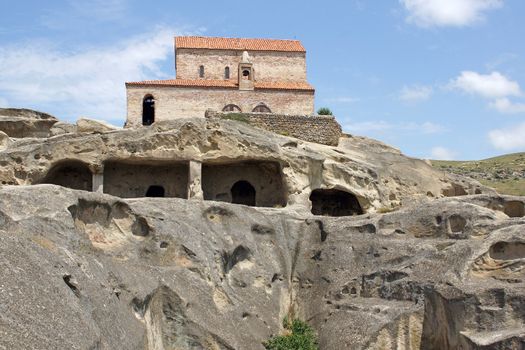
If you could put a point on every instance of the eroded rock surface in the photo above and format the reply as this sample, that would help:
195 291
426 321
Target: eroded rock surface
21 123
406 266
92 271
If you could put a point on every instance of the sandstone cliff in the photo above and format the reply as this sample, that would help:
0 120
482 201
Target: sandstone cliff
432 262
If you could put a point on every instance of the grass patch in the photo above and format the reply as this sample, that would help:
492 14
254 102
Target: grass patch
511 187
505 173
239 117
298 336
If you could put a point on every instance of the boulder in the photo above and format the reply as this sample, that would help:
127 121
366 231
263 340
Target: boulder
20 123
85 125
63 128
5 140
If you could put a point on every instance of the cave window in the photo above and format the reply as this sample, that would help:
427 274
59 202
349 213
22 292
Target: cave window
201 72
331 202
243 193
262 108
231 108
227 73
148 110
155 191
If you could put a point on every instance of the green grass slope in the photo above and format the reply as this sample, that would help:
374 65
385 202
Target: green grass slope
505 173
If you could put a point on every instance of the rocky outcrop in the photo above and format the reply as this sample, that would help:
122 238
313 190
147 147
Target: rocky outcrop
412 269
21 123
379 176
94 126
89 270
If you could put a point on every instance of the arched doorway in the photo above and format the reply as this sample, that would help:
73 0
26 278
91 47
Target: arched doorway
155 191
243 193
332 202
148 110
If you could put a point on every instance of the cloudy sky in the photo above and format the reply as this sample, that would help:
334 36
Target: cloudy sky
435 78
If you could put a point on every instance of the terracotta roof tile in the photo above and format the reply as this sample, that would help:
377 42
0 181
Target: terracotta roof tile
223 84
241 44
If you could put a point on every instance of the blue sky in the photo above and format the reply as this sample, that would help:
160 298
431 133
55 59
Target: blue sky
435 78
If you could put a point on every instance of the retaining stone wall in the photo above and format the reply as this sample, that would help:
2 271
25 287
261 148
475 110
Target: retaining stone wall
313 128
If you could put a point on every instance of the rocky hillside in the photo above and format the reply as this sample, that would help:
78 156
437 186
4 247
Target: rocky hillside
429 261
505 173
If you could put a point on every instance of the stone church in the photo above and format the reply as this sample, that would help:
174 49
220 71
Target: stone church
225 74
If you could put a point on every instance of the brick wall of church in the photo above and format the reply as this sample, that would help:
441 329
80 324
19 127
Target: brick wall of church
183 102
267 65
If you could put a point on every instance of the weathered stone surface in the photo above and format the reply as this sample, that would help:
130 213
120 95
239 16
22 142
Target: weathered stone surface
418 270
5 140
25 122
60 128
94 126
380 176
88 270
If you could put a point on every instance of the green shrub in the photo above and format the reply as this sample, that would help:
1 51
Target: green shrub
237 117
324 111
298 336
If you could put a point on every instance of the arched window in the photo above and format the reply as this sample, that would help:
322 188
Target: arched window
243 193
201 72
227 73
231 108
246 74
262 108
148 110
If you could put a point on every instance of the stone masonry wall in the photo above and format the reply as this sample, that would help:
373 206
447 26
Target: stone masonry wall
267 65
313 128
182 102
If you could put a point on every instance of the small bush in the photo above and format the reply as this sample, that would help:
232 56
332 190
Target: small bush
324 111
237 117
298 336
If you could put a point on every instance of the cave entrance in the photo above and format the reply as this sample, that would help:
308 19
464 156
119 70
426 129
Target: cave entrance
331 202
72 174
155 191
134 179
255 183
243 193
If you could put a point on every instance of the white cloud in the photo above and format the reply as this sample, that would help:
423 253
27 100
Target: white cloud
342 99
504 105
442 153
415 93
455 13
493 85
508 139
87 82
383 126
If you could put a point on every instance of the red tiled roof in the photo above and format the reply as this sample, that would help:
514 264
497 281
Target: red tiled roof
241 44
281 85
